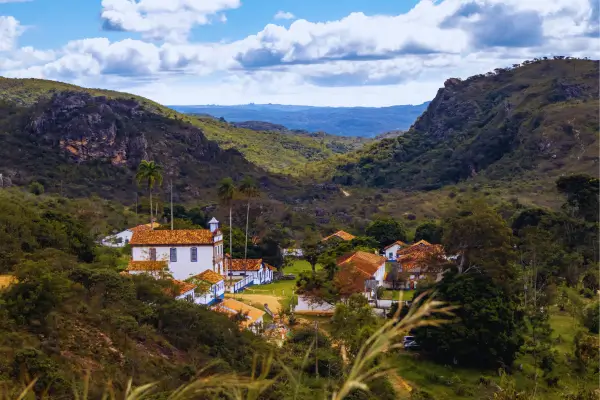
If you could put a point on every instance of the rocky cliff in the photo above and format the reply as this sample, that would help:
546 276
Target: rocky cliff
81 143
539 118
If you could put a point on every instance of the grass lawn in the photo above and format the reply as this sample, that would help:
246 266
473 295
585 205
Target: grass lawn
282 288
389 294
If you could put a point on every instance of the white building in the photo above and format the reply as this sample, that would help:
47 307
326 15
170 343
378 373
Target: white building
186 252
359 270
121 239
391 250
258 271
212 287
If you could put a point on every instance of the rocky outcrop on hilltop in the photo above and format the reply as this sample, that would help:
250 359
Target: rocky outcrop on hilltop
539 117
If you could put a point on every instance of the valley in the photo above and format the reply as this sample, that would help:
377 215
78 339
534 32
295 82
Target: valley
487 196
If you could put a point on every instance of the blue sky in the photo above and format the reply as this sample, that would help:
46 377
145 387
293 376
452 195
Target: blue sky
350 52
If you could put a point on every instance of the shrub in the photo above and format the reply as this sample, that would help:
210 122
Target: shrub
36 188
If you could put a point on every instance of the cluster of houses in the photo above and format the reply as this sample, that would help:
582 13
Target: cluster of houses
195 261
409 263
201 272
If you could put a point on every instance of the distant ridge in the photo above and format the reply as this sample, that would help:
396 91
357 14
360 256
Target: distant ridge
344 121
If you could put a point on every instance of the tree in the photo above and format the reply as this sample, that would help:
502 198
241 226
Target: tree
386 231
488 331
480 238
312 248
249 191
226 193
149 173
429 231
353 322
582 195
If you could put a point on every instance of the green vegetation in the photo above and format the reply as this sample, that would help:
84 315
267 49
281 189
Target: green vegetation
511 124
275 151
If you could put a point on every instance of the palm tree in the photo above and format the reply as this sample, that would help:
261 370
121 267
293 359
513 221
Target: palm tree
150 173
249 190
226 194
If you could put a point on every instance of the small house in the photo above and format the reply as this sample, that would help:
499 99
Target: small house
123 238
210 287
391 250
339 235
361 272
256 270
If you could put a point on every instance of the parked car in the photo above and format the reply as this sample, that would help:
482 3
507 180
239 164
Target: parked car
407 339
412 346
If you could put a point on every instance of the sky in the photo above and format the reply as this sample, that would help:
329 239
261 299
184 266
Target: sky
306 52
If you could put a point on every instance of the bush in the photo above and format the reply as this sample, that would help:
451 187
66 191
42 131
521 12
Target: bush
591 317
36 188
29 364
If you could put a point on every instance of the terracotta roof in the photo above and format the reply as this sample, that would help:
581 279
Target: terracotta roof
272 268
144 227
6 281
238 307
174 237
397 242
146 265
423 256
182 287
367 263
209 276
340 234
238 264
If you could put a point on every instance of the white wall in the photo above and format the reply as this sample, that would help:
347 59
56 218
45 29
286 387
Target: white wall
305 305
183 268
125 237
217 289
393 250
380 274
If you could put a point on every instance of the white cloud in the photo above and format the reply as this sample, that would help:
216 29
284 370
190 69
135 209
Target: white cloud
284 15
162 20
357 60
10 30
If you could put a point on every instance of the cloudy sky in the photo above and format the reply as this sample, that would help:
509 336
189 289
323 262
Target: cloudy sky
313 52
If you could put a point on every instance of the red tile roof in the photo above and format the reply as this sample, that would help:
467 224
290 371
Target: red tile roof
209 276
245 265
421 255
340 234
367 263
174 237
182 287
397 242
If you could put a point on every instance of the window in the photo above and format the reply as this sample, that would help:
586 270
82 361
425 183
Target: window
173 254
152 254
194 254
391 255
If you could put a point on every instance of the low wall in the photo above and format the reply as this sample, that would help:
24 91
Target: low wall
305 306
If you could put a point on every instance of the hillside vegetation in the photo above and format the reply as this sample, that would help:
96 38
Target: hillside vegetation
278 150
535 120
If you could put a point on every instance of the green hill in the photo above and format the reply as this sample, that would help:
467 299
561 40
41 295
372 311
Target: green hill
81 141
275 151
535 120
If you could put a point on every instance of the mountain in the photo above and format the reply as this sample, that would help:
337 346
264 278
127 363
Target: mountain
80 141
345 121
535 120
274 147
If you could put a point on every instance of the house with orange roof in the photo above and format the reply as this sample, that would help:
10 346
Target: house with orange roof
210 287
361 272
251 317
421 260
183 290
391 250
255 271
186 252
340 235
121 239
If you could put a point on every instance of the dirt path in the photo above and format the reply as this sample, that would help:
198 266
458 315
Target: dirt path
272 301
